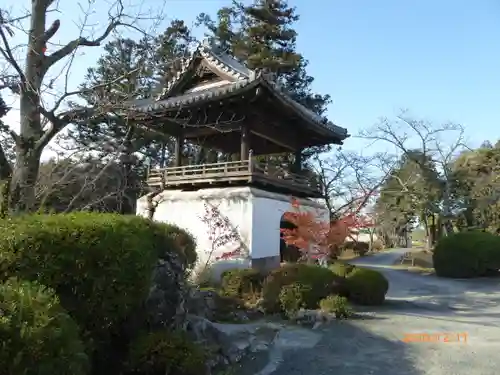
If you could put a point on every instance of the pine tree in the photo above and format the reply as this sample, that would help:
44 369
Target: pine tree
7 156
262 35
132 70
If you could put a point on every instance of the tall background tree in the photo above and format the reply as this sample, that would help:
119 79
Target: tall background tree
41 86
262 35
129 70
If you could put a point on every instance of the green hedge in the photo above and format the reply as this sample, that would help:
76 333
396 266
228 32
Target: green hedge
172 237
240 282
100 265
336 305
166 352
296 296
37 336
321 282
342 269
467 254
358 247
366 287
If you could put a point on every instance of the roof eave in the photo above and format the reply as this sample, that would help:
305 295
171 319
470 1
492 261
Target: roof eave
328 129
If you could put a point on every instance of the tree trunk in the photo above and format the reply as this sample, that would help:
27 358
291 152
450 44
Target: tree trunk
28 151
371 234
24 176
428 239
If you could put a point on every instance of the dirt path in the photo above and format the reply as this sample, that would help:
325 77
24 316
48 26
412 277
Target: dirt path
416 304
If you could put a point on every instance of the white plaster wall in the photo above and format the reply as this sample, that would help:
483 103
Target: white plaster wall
267 214
255 213
186 209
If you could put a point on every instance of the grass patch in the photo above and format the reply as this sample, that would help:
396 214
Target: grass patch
350 254
415 269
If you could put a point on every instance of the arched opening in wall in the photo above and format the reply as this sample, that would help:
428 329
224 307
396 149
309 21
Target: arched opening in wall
288 253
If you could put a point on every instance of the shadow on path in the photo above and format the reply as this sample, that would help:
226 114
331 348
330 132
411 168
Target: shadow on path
347 349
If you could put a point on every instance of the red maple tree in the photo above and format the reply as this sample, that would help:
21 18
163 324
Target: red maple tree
318 238
220 233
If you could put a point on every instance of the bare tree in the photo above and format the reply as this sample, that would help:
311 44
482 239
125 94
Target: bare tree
79 181
349 180
439 144
42 82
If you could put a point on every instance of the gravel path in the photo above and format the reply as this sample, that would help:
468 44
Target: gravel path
416 304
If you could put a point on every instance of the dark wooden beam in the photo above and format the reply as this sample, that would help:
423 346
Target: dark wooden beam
206 131
179 144
285 139
297 163
245 141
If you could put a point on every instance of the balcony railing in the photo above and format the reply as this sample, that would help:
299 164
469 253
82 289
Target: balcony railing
229 172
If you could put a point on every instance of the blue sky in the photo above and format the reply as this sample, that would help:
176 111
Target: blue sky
439 59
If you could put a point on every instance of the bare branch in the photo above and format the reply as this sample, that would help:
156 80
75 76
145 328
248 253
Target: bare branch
6 50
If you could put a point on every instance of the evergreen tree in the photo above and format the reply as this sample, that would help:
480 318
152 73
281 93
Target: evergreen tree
413 192
131 70
7 157
6 142
262 35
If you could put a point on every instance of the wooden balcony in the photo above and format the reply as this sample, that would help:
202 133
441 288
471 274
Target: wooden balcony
245 172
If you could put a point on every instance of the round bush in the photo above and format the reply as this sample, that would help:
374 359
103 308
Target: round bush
342 269
467 254
100 265
241 281
337 305
181 241
358 247
166 352
296 296
321 280
37 336
367 287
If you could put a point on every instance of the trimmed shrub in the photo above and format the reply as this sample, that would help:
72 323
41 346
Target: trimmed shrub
467 254
100 265
321 280
337 305
296 296
175 238
166 352
358 247
240 281
342 269
367 287
37 337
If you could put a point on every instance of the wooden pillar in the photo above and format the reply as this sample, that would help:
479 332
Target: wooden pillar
245 142
179 143
297 164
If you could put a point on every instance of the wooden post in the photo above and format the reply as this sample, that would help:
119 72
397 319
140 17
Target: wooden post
297 164
245 142
250 161
179 143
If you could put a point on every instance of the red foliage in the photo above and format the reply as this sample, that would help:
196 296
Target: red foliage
316 237
221 232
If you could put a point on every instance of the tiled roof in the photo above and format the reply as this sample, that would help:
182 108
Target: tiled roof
243 78
221 61
147 105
